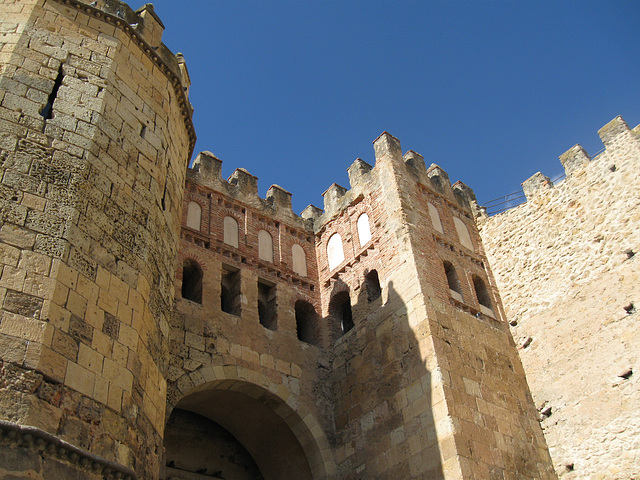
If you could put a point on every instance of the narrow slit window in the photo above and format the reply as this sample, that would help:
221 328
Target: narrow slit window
231 231
452 277
372 286
307 323
265 246
230 297
335 253
267 306
191 281
299 260
364 230
194 215
340 311
482 293
47 110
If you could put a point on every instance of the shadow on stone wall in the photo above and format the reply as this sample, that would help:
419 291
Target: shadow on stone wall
383 408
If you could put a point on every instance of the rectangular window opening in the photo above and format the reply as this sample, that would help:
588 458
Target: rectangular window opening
267 305
230 294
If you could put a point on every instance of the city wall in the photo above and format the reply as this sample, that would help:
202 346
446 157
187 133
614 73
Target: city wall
566 265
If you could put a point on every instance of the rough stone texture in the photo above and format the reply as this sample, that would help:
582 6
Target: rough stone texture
566 264
95 135
375 368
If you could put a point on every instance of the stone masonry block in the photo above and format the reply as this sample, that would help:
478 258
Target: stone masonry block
22 304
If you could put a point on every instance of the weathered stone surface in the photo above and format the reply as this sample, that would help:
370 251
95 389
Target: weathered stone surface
565 277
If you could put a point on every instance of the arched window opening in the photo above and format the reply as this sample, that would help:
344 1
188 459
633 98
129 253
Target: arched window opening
299 260
307 326
463 233
340 311
191 281
455 290
231 231
482 293
335 253
364 229
435 218
194 215
452 277
267 306
372 286
265 246
230 297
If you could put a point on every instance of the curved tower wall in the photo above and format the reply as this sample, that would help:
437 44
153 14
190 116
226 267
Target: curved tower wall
95 136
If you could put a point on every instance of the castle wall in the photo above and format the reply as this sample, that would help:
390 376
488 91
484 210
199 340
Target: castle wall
95 133
231 366
565 265
427 382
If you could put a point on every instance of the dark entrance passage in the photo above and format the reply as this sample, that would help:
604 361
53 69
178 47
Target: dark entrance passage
227 434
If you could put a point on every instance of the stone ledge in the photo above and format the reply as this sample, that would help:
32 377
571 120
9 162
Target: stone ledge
46 444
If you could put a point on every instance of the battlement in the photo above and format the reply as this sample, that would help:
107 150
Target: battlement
615 135
388 156
243 187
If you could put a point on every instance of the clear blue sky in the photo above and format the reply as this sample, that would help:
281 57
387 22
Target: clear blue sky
295 90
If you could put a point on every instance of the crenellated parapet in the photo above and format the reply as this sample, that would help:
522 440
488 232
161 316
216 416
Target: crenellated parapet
242 186
616 137
388 155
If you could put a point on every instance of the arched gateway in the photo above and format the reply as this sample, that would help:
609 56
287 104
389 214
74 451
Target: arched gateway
239 420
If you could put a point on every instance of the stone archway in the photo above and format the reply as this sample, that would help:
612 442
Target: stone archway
265 420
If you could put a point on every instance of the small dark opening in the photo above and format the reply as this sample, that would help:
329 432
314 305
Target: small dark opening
372 286
47 110
452 278
340 310
307 323
191 281
143 131
481 292
267 307
230 300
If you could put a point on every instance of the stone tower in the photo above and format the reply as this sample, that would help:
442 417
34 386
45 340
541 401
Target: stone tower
426 379
95 137
162 322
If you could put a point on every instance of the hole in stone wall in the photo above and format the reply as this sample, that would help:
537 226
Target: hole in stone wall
613 168
230 297
143 131
340 311
626 373
629 253
267 306
47 110
372 286
191 281
629 308
307 326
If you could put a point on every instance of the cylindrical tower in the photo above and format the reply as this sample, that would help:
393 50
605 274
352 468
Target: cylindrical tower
95 137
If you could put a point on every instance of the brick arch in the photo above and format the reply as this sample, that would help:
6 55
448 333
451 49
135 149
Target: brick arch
286 405
195 197
188 253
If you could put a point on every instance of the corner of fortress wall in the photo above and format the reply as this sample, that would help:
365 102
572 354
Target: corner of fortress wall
566 265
